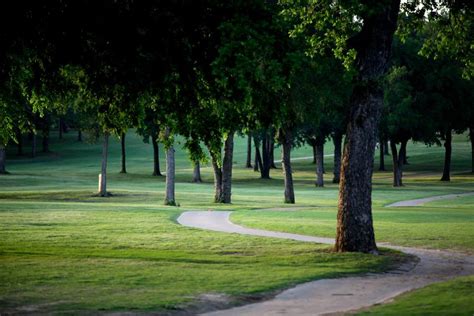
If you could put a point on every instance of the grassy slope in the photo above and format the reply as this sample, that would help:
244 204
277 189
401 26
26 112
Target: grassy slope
62 249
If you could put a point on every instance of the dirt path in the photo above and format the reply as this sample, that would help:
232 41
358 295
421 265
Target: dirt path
422 201
337 295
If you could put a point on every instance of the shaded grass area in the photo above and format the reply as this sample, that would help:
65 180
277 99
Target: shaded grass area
448 298
70 257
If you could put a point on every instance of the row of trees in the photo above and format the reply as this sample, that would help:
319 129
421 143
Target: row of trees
282 72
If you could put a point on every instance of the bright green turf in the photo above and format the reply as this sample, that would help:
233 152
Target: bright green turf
447 298
61 249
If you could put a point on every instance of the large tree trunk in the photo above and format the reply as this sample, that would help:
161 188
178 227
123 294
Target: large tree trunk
447 156
103 172
3 160
266 164
170 173
156 156
319 164
124 156
471 136
197 172
373 45
226 193
249 151
337 139
217 178
285 140
382 156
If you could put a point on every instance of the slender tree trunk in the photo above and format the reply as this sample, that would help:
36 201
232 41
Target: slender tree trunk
79 135
197 172
272 151
170 173
124 156
337 139
286 139
322 159
217 178
257 166
405 158
3 160
319 164
447 156
156 156
471 136
386 148
103 172
249 151
382 156
373 46
227 169
397 161
314 152
265 168
33 145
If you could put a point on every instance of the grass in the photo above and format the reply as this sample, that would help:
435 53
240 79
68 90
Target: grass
64 250
447 298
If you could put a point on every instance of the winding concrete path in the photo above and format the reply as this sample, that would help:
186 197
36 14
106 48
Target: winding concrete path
422 201
343 294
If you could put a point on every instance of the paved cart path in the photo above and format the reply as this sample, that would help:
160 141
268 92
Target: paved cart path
422 201
343 294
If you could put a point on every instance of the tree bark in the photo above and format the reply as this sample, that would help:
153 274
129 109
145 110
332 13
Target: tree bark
103 172
319 164
249 151
285 139
314 152
471 136
3 160
266 164
386 148
382 156
397 162
257 166
79 136
373 46
447 156
197 173
405 158
217 178
337 139
170 173
124 156
272 151
226 194
156 156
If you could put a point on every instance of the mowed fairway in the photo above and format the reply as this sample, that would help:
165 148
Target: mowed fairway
64 250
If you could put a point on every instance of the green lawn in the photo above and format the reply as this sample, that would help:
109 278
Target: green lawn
64 250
